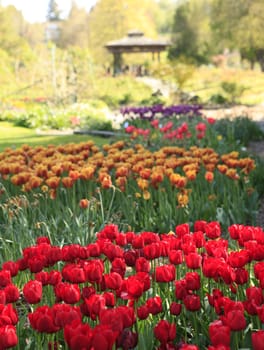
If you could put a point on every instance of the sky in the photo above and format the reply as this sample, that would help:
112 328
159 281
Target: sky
36 10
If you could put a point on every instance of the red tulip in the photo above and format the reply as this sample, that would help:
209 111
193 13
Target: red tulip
239 259
142 264
8 337
37 263
192 302
8 315
152 251
69 293
165 273
134 287
11 293
42 320
182 230
219 334
73 273
119 266
64 314
213 230
5 278
78 335
33 292
95 303
12 266
175 257
165 331
142 312
241 276
103 338
94 270
180 289
113 280
154 305
175 308
192 280
257 340
193 260
235 320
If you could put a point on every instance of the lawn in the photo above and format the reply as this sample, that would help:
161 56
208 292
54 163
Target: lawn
13 136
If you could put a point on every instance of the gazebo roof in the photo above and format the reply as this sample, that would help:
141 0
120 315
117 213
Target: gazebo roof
136 41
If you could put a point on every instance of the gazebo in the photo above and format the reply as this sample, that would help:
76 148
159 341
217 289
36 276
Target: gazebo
134 42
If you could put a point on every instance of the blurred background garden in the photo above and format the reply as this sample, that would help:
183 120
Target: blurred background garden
58 74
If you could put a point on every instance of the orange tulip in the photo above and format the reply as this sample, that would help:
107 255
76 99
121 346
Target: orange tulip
53 182
84 203
209 176
106 181
67 181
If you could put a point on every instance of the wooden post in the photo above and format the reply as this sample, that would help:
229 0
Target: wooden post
117 62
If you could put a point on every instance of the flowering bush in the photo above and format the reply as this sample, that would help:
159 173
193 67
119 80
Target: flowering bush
186 289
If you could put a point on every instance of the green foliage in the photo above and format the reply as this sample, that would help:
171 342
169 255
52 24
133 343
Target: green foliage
257 178
217 99
240 130
191 22
239 24
116 91
233 90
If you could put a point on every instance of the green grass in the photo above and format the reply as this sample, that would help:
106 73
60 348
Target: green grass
14 137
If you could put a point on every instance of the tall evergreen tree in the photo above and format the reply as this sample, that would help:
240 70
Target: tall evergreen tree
184 38
54 12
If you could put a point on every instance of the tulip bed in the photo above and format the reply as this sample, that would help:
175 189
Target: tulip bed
153 241
187 289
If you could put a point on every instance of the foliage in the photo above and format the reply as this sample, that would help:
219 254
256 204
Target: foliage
115 91
239 130
42 116
233 90
257 178
75 29
239 24
191 22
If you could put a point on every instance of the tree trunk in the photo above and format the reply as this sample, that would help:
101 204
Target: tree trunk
260 58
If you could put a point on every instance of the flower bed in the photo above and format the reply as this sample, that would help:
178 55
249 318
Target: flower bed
102 286
187 289
163 187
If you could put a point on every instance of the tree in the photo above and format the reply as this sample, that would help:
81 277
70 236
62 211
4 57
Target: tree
12 39
54 12
191 35
74 30
164 16
183 35
240 24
